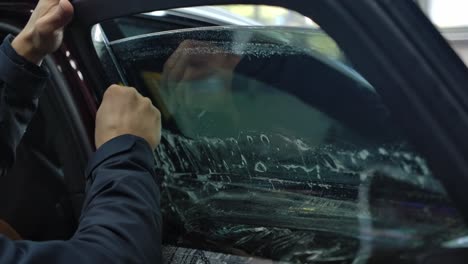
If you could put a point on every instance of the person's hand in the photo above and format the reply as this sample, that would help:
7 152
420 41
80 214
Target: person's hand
124 111
194 60
43 33
197 75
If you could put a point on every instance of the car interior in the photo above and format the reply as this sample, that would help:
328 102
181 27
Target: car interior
33 194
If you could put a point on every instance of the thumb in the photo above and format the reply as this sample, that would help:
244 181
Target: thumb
59 17
64 13
66 9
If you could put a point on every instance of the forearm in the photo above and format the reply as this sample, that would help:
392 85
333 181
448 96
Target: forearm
21 84
121 219
122 211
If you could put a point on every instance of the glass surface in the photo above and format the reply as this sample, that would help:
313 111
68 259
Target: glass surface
274 146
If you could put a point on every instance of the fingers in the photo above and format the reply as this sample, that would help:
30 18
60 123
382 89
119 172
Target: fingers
125 111
56 17
126 97
177 72
173 65
128 94
194 60
66 11
113 90
170 63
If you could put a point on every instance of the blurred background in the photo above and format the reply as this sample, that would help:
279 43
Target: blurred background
269 15
450 17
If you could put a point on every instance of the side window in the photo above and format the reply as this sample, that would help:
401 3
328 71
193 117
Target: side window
273 144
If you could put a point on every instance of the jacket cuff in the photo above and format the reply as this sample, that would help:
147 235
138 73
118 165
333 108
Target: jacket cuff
112 151
17 72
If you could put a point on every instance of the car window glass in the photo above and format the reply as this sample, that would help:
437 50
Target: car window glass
273 144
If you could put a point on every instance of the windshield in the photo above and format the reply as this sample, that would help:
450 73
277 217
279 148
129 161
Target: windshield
274 146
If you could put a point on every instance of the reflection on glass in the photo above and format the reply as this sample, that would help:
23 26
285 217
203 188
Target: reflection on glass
276 147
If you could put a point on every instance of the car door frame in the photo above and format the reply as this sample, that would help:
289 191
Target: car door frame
392 43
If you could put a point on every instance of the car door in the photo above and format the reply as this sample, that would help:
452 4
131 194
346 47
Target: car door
418 79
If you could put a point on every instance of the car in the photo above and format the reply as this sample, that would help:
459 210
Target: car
338 143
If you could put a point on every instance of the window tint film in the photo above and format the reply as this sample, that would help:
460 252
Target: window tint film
273 145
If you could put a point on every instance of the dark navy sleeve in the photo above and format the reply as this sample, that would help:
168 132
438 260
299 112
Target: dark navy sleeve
21 84
121 219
